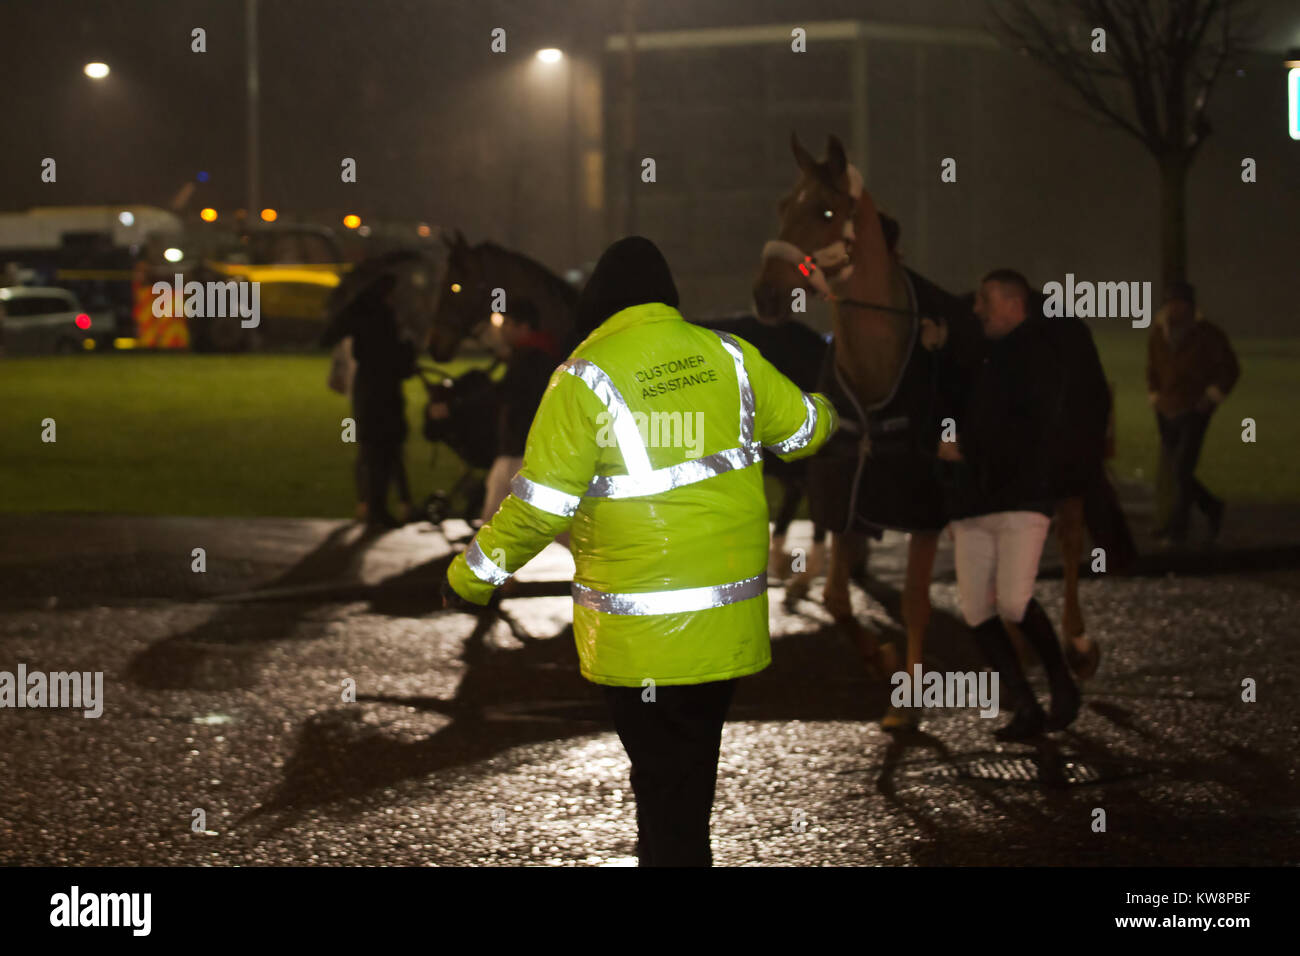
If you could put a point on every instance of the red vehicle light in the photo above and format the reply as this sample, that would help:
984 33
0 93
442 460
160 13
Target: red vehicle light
83 321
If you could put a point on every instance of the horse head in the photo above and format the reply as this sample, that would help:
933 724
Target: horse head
464 302
814 249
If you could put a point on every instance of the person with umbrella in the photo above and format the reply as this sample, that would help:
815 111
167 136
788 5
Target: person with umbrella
384 359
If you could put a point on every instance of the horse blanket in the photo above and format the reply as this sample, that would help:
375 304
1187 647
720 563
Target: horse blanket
895 481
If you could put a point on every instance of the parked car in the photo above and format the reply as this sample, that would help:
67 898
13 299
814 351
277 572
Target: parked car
36 320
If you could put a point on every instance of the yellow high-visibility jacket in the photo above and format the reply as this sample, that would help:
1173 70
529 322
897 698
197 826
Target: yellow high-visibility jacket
647 448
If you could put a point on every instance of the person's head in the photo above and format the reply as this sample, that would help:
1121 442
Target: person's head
1180 303
1002 302
631 272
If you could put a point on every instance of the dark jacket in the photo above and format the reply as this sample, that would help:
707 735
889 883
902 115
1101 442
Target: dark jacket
1179 371
383 360
1080 435
1006 426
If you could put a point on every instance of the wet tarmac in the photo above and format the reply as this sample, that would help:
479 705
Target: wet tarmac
477 743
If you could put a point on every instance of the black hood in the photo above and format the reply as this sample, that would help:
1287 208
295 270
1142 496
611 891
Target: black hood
631 272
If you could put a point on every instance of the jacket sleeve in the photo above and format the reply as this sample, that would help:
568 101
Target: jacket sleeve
1225 370
1045 387
559 463
1093 390
957 362
788 422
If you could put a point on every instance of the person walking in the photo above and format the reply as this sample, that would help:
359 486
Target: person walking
1003 473
383 360
647 447
1191 368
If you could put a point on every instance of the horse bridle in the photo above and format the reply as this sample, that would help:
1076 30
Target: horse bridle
833 262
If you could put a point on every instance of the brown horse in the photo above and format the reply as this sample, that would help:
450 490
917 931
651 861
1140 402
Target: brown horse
831 243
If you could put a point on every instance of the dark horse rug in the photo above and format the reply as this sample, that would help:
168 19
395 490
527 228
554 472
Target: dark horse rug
897 484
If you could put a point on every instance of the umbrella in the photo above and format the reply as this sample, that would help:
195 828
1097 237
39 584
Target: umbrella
415 274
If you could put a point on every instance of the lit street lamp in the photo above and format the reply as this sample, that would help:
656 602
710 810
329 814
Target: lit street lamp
96 71
550 56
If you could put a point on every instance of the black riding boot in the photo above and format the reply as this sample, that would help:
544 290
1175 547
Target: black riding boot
1038 630
995 644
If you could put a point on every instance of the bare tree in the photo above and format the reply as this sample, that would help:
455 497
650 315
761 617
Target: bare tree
1162 59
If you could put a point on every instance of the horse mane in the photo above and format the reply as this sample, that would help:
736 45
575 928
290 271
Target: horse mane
555 285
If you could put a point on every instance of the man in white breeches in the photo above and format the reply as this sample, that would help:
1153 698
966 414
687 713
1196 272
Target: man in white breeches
1000 477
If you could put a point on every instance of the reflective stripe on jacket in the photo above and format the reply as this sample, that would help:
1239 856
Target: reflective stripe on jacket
647 448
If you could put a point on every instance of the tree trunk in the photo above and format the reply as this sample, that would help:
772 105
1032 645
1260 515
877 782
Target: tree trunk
1173 218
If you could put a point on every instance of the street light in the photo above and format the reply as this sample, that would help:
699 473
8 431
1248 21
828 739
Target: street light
96 71
548 57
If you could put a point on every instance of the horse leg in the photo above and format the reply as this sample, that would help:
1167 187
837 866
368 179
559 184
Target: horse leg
1069 536
779 566
847 549
1081 653
798 587
921 549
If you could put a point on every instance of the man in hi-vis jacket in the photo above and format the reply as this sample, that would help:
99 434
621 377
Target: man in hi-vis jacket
647 449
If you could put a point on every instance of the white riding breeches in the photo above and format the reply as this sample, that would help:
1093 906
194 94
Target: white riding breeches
997 563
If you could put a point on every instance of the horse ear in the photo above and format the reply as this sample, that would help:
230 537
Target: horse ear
836 161
801 155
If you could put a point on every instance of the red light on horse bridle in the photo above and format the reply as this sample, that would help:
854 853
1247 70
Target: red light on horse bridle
807 267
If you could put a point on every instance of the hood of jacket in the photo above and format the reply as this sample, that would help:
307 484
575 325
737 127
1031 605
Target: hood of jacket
630 272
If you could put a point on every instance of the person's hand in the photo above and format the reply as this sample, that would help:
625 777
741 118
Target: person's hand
949 451
451 601
439 411
933 334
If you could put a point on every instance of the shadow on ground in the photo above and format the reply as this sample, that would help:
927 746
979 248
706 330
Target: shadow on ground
519 696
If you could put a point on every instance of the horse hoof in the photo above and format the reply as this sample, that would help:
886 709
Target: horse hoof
900 720
874 658
795 591
1083 655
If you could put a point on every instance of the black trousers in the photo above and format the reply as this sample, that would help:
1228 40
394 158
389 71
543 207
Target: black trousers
672 742
379 465
1181 438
